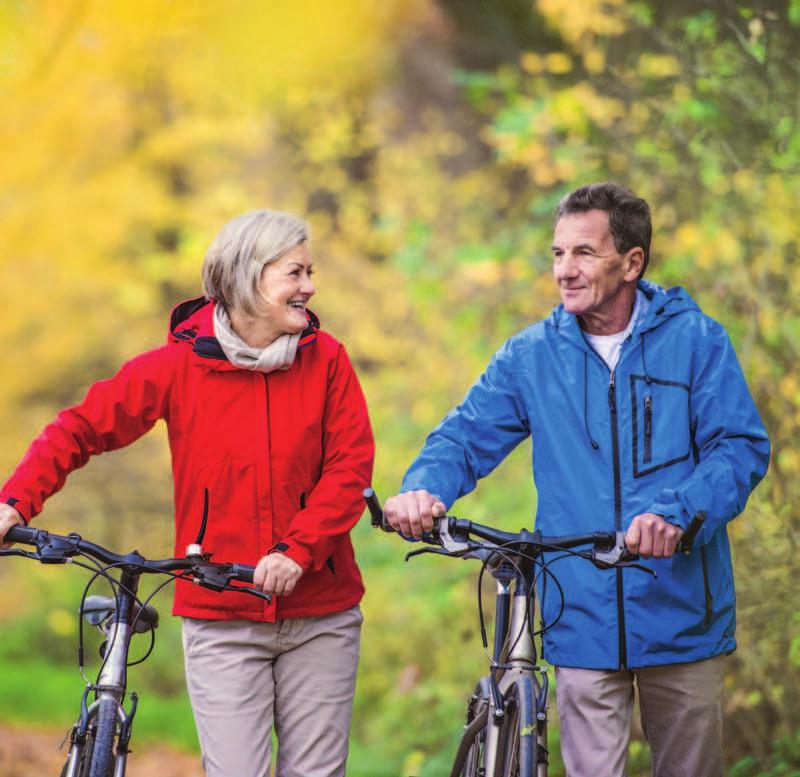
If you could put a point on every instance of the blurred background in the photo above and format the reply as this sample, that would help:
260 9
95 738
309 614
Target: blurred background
427 141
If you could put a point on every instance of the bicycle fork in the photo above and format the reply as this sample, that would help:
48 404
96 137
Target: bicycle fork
111 685
513 638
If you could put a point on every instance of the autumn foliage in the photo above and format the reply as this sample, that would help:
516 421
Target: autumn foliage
427 142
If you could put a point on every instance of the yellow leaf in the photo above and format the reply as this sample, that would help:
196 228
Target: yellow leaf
658 66
594 60
531 63
557 63
744 181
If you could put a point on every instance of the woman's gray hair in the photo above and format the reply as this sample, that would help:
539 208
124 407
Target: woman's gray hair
234 262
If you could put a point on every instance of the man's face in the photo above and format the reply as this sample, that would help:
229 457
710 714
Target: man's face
587 267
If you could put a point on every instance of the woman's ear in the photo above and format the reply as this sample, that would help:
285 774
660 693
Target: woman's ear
633 263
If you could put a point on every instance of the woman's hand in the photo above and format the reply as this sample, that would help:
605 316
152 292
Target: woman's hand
277 574
9 517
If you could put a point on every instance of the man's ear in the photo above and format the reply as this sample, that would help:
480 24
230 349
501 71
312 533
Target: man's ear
633 262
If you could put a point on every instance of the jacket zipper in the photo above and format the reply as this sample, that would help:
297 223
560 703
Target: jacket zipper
648 428
612 404
707 587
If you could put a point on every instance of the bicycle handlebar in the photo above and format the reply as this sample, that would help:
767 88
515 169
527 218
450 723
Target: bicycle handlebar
56 549
450 526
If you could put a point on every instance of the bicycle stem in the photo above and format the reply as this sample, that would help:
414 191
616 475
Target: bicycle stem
114 671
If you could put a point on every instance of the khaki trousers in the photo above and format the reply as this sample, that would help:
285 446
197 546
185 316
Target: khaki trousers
681 713
298 675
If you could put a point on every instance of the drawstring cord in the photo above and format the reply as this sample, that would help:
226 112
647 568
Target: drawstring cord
647 378
594 443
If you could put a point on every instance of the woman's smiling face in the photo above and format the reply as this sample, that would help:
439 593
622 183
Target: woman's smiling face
285 287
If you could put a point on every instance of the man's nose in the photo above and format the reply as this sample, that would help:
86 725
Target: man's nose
565 267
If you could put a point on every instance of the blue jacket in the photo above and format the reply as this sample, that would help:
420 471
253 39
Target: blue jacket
673 431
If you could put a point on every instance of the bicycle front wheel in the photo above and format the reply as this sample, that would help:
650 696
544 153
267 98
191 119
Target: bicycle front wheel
84 758
469 760
102 763
516 747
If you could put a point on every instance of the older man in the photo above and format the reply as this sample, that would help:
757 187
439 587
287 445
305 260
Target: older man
640 418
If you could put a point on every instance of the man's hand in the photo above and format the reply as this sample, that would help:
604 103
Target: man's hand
9 517
411 514
277 574
650 535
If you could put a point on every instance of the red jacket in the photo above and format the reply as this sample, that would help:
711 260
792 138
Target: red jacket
284 455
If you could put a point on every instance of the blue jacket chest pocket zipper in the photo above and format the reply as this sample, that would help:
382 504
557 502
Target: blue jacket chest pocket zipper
663 439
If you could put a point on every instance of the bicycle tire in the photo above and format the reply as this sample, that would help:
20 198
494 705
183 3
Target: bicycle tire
103 758
516 749
469 757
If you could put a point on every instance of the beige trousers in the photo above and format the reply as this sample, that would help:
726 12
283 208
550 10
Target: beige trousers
298 675
681 713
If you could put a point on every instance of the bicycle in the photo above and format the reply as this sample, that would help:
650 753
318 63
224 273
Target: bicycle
105 720
505 734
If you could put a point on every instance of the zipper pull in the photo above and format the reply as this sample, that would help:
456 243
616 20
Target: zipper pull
612 394
648 414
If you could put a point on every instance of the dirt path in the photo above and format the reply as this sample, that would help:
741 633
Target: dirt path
34 753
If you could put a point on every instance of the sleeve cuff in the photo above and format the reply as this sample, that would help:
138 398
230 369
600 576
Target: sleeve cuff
12 501
295 552
671 513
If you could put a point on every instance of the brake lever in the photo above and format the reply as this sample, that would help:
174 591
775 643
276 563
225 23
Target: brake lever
437 551
215 579
635 565
631 561
20 552
617 557
252 591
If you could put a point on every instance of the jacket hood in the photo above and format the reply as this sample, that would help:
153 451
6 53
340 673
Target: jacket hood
192 322
664 304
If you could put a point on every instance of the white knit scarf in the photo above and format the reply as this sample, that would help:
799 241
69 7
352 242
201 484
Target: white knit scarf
278 355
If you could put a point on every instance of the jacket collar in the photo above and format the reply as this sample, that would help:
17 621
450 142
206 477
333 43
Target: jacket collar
192 322
663 305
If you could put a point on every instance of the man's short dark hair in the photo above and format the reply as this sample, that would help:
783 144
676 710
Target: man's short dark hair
628 215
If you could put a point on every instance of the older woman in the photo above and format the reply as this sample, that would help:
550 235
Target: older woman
265 412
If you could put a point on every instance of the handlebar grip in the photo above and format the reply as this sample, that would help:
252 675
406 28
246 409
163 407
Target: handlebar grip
378 520
689 536
24 534
243 572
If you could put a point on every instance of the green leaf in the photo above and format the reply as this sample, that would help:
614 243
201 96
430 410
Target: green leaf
794 12
701 28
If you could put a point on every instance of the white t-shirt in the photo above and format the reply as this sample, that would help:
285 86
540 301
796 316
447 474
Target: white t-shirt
609 346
